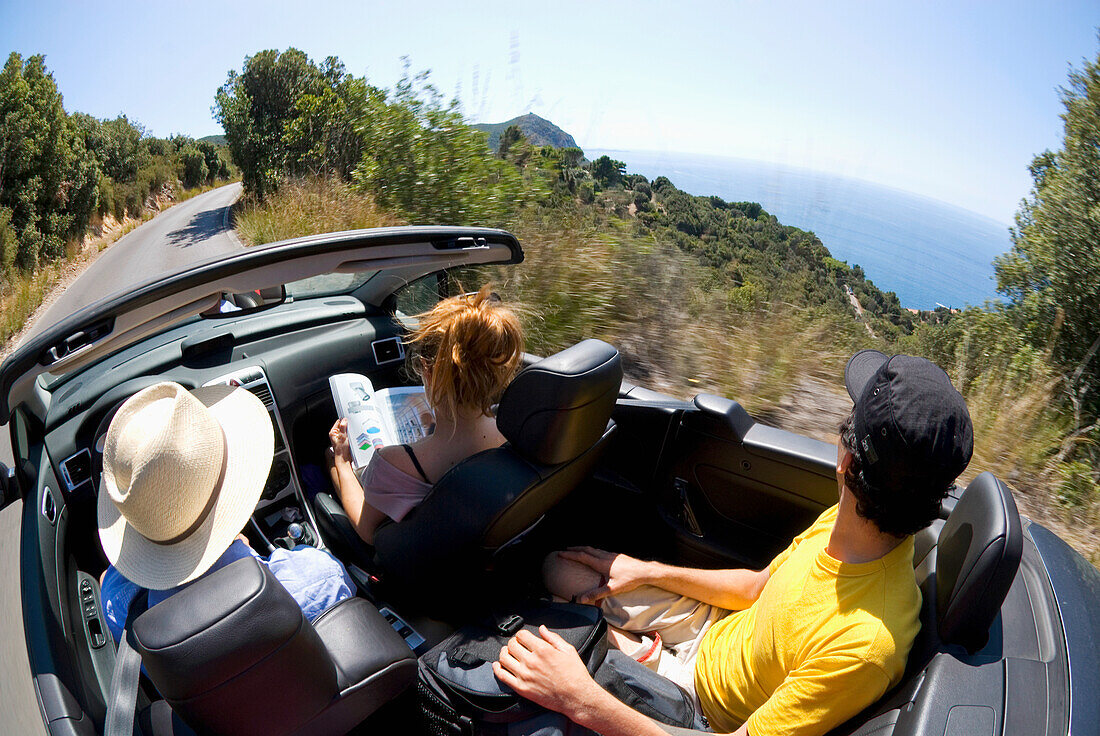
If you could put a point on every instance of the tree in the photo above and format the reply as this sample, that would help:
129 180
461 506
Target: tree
122 153
1052 273
511 135
322 138
255 108
421 158
607 171
34 158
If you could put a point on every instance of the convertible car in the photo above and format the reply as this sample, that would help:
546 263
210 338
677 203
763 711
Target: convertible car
1009 621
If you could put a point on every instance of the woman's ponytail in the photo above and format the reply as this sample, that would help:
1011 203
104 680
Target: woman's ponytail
472 345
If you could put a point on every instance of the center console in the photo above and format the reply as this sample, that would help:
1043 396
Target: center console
282 517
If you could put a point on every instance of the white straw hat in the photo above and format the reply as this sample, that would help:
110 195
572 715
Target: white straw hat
182 472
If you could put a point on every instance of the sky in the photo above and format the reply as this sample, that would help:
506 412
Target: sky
950 100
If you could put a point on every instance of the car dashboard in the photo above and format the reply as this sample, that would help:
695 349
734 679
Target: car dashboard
283 356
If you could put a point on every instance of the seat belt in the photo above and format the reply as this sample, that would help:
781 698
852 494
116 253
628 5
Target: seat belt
122 699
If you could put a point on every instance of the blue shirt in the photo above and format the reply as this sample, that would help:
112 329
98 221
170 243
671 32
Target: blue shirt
315 579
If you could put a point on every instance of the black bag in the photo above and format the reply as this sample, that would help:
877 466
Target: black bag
460 696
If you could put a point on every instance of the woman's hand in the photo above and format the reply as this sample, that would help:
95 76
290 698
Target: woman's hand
621 573
547 671
338 437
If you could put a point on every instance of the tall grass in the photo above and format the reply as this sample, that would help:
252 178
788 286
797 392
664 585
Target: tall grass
307 207
20 294
678 327
1017 432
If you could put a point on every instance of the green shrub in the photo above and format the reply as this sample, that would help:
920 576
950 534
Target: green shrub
158 146
52 247
135 201
118 204
586 192
28 249
105 196
195 169
155 175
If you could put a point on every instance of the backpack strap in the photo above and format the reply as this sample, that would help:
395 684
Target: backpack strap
122 700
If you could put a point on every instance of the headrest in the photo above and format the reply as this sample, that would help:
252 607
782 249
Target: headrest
557 408
978 555
234 621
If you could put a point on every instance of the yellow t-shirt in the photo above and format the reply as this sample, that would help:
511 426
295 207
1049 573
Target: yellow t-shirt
824 640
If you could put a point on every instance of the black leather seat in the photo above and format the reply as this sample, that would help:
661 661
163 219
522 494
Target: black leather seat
233 654
556 416
966 574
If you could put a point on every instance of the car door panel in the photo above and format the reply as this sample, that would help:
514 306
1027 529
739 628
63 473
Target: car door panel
41 535
737 492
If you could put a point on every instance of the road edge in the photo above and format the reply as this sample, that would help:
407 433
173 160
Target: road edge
77 266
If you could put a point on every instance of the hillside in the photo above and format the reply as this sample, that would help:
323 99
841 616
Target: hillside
217 140
539 132
699 294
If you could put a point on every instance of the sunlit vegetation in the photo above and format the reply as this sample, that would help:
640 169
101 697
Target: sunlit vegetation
63 173
696 292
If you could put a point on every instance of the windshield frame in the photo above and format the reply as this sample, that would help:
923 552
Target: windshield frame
150 307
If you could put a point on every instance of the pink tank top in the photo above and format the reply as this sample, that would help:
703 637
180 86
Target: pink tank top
390 489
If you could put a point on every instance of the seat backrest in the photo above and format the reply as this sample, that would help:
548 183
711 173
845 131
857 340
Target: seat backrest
221 647
557 408
965 566
556 417
977 557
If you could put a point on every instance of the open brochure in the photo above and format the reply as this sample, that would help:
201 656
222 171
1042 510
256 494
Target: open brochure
392 416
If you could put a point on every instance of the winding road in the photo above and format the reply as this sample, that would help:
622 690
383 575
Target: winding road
186 233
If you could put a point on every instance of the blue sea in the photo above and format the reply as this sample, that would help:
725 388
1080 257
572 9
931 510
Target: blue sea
926 251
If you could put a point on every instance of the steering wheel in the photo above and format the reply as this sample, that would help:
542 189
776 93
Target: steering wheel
107 405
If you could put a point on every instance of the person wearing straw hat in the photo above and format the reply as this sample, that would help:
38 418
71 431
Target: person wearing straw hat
182 472
820 633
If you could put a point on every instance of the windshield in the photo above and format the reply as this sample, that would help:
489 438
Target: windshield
327 284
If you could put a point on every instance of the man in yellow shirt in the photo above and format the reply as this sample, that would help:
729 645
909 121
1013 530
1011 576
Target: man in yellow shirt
814 638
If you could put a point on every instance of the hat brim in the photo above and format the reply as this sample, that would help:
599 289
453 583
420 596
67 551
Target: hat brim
250 444
861 368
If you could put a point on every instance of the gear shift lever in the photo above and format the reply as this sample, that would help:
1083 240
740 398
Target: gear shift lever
294 533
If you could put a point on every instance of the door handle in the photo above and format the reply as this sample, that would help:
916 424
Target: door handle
687 514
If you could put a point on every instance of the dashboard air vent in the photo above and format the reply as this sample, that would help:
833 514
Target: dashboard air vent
388 350
77 469
263 393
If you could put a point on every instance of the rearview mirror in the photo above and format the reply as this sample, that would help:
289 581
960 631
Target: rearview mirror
245 302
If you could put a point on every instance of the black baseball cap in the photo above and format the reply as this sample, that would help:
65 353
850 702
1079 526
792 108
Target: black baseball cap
911 425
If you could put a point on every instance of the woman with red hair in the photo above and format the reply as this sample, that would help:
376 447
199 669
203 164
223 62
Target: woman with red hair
466 350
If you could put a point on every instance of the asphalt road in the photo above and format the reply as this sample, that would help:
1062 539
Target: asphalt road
191 231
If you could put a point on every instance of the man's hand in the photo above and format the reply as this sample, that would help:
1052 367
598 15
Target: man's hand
338 437
621 573
547 671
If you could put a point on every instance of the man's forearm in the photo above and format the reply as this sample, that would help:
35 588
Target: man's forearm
731 589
